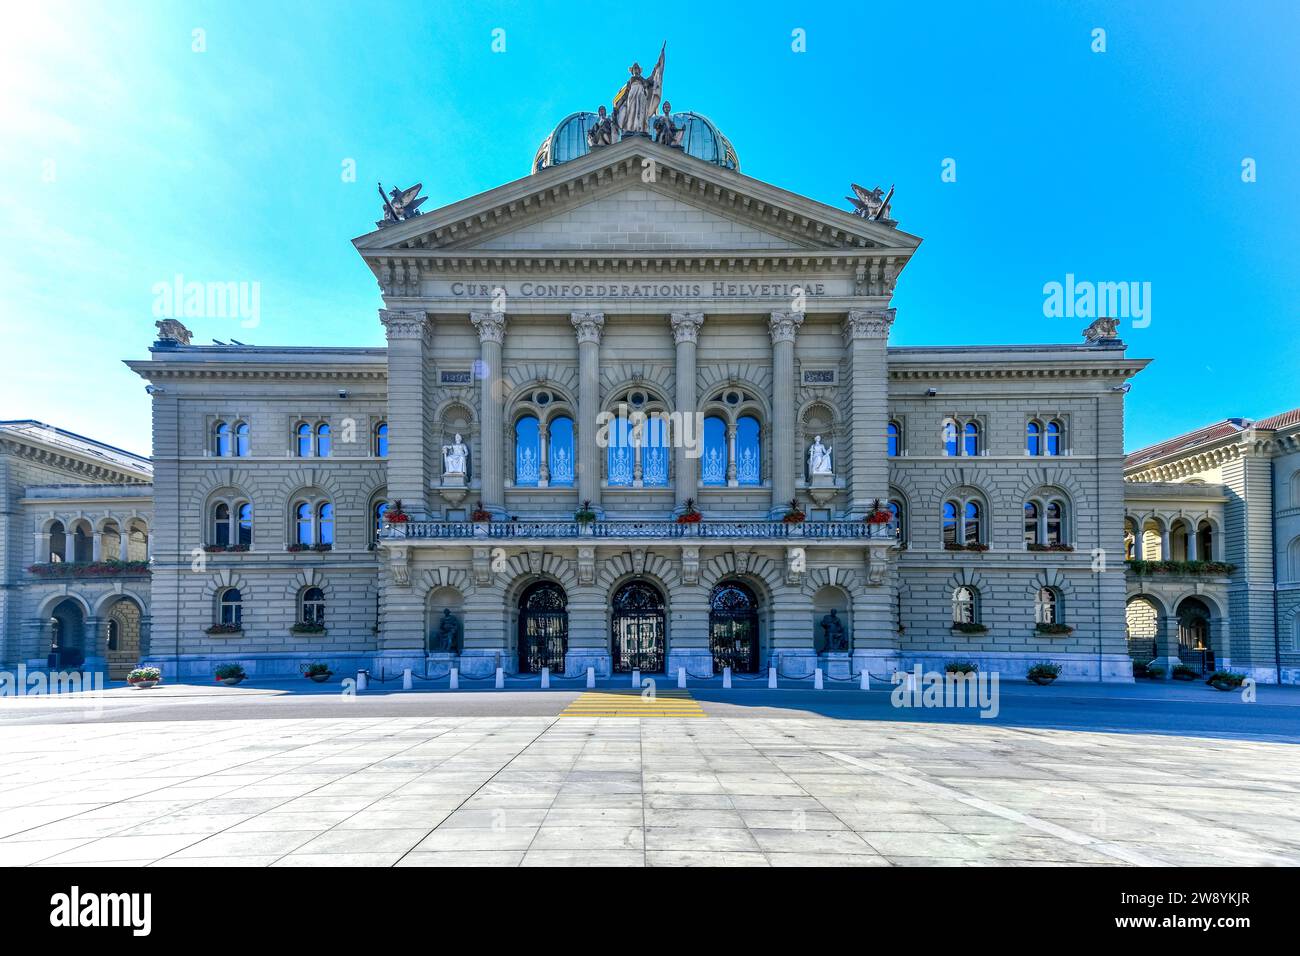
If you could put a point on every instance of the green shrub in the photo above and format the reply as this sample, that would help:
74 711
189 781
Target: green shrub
1044 669
960 667
230 672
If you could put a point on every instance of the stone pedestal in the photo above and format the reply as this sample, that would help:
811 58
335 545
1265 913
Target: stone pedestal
439 663
453 488
577 660
821 489
698 662
835 665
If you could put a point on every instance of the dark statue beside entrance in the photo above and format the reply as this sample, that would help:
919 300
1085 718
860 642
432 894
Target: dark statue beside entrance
447 638
834 633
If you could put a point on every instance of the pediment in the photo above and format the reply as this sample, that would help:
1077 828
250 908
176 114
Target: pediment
636 196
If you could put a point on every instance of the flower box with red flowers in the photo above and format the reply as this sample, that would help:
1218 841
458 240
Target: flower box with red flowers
224 629
794 514
950 546
1050 547
691 514
295 548
1054 629
88 569
225 548
396 517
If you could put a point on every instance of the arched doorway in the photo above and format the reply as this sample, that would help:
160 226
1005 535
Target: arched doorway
733 628
123 638
543 627
638 628
1142 629
67 635
1194 647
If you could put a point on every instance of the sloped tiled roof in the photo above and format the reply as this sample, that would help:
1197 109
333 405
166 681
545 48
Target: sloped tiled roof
1190 441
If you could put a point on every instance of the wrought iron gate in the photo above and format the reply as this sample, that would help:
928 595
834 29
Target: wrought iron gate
638 629
733 628
543 627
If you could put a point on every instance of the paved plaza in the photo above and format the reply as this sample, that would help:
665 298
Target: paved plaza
412 780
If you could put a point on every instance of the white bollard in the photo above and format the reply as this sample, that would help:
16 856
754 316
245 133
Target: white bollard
407 682
817 679
865 680
454 674
361 680
726 678
591 677
501 679
546 678
681 678
636 677
911 683
771 678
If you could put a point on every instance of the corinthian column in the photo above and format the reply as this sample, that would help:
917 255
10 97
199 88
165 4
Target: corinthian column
686 461
587 326
866 336
491 327
410 344
784 326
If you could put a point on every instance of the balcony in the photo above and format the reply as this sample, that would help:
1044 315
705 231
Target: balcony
632 530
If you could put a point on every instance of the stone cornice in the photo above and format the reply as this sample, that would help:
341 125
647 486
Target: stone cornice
65 461
365 373
491 326
867 324
1037 370
587 325
784 326
406 324
686 326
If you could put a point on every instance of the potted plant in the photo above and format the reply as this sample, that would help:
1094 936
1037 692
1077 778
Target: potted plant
960 667
1044 672
307 627
1225 680
969 627
143 678
480 513
793 513
1186 672
690 515
1053 628
1155 673
230 674
878 515
317 672
585 515
395 514
224 629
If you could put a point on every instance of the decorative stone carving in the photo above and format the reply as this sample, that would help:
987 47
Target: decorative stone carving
399 564
172 331
666 131
819 458
406 324
638 560
877 566
604 132
690 565
638 100
1102 330
871 204
446 638
868 324
400 204
588 326
784 326
686 326
482 566
491 326
795 561
587 565
833 632
742 561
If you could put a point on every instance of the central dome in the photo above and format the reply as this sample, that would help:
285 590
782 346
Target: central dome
700 138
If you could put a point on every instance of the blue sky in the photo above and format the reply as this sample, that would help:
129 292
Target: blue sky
127 158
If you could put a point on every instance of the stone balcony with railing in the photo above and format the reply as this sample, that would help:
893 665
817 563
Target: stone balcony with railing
623 530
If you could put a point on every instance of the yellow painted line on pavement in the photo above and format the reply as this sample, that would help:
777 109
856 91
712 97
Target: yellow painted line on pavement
595 703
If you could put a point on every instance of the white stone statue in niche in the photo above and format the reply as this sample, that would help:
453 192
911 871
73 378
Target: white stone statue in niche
454 456
819 458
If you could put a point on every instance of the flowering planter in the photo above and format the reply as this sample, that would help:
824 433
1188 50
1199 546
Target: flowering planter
231 681
320 678
144 684
1041 679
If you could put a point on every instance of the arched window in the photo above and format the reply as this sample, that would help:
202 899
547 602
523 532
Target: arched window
972 515
963 523
303 525
620 462
898 519
971 439
965 605
950 445
893 440
325 523
58 542
244 524
302 440
377 514
1205 541
713 467
221 440
559 451
1047 608
221 524
243 439
749 453
230 607
1034 438
1130 539
1053 438
322 440
1031 522
311 607
381 440
950 537
1055 523
528 452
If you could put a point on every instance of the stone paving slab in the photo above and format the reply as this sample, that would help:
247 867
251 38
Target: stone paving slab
423 790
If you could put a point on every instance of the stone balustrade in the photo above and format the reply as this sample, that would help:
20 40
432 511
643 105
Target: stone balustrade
665 529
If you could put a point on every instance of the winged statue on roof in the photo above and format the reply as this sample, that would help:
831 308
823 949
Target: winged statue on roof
871 203
400 204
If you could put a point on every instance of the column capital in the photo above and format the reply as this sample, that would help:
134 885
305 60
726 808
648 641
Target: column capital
868 324
784 326
588 325
406 324
491 326
686 326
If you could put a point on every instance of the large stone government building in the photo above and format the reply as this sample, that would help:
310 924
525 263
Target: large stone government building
579 365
